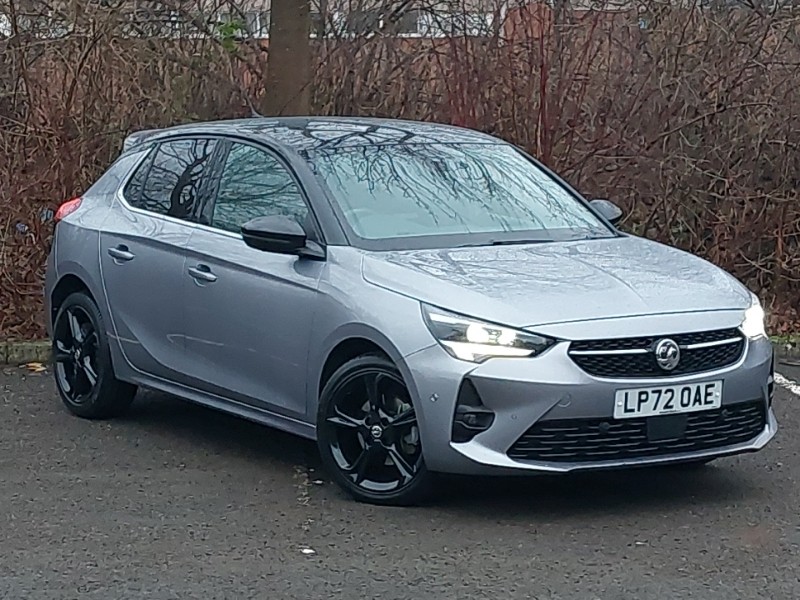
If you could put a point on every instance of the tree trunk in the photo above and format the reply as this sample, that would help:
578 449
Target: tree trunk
289 62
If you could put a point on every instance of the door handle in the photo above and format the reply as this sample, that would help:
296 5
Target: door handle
122 253
202 273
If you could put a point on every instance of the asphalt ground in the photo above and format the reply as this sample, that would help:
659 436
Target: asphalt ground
178 501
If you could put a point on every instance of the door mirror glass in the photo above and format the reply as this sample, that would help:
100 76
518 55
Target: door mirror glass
608 209
279 234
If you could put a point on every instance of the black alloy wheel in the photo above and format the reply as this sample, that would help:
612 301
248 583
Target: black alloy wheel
75 353
82 362
368 434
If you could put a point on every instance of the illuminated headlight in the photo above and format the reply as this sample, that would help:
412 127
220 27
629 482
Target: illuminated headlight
753 323
476 341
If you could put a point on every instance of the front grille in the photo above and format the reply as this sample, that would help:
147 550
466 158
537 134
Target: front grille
589 440
634 357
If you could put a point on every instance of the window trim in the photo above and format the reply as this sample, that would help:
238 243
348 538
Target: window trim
227 142
326 212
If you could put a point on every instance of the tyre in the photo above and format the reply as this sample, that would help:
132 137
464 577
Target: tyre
368 435
82 362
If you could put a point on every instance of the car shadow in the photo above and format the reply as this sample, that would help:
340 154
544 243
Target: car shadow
597 493
218 432
557 496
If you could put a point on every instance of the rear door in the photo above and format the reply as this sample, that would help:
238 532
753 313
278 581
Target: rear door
249 312
142 253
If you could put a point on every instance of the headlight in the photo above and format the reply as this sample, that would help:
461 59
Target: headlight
476 341
753 323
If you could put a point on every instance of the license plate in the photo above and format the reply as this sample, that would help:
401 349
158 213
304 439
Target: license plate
667 400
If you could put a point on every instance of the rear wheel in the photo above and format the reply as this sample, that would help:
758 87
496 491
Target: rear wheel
368 435
82 362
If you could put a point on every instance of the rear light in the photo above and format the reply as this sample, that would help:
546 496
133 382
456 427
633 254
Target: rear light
66 209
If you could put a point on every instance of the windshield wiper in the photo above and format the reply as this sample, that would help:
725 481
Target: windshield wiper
504 243
593 235
519 242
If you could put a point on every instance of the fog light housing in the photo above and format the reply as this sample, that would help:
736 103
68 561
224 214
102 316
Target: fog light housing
471 416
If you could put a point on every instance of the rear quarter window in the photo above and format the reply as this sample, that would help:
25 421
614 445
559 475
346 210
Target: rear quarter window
133 189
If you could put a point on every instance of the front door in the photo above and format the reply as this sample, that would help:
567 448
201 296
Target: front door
248 313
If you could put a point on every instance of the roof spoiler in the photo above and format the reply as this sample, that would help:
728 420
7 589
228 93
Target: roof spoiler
137 138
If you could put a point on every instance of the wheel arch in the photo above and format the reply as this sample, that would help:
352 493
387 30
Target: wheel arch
75 278
346 350
67 285
346 343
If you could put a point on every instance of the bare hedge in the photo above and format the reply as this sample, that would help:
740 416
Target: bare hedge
688 117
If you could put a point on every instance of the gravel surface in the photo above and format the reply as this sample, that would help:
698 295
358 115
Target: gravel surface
178 501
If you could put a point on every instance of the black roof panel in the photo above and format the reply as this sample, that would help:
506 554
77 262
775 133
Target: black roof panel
318 133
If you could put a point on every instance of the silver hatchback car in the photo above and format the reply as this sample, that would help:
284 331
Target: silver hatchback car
417 298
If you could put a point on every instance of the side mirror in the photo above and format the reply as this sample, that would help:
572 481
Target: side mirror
281 235
608 209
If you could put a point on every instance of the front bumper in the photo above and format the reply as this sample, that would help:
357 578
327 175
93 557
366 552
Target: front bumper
551 387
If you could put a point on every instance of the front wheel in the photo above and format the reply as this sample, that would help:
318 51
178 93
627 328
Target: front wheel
368 435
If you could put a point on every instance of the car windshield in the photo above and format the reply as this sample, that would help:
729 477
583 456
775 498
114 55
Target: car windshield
436 195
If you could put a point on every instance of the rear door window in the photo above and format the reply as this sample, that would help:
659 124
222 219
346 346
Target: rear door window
171 181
